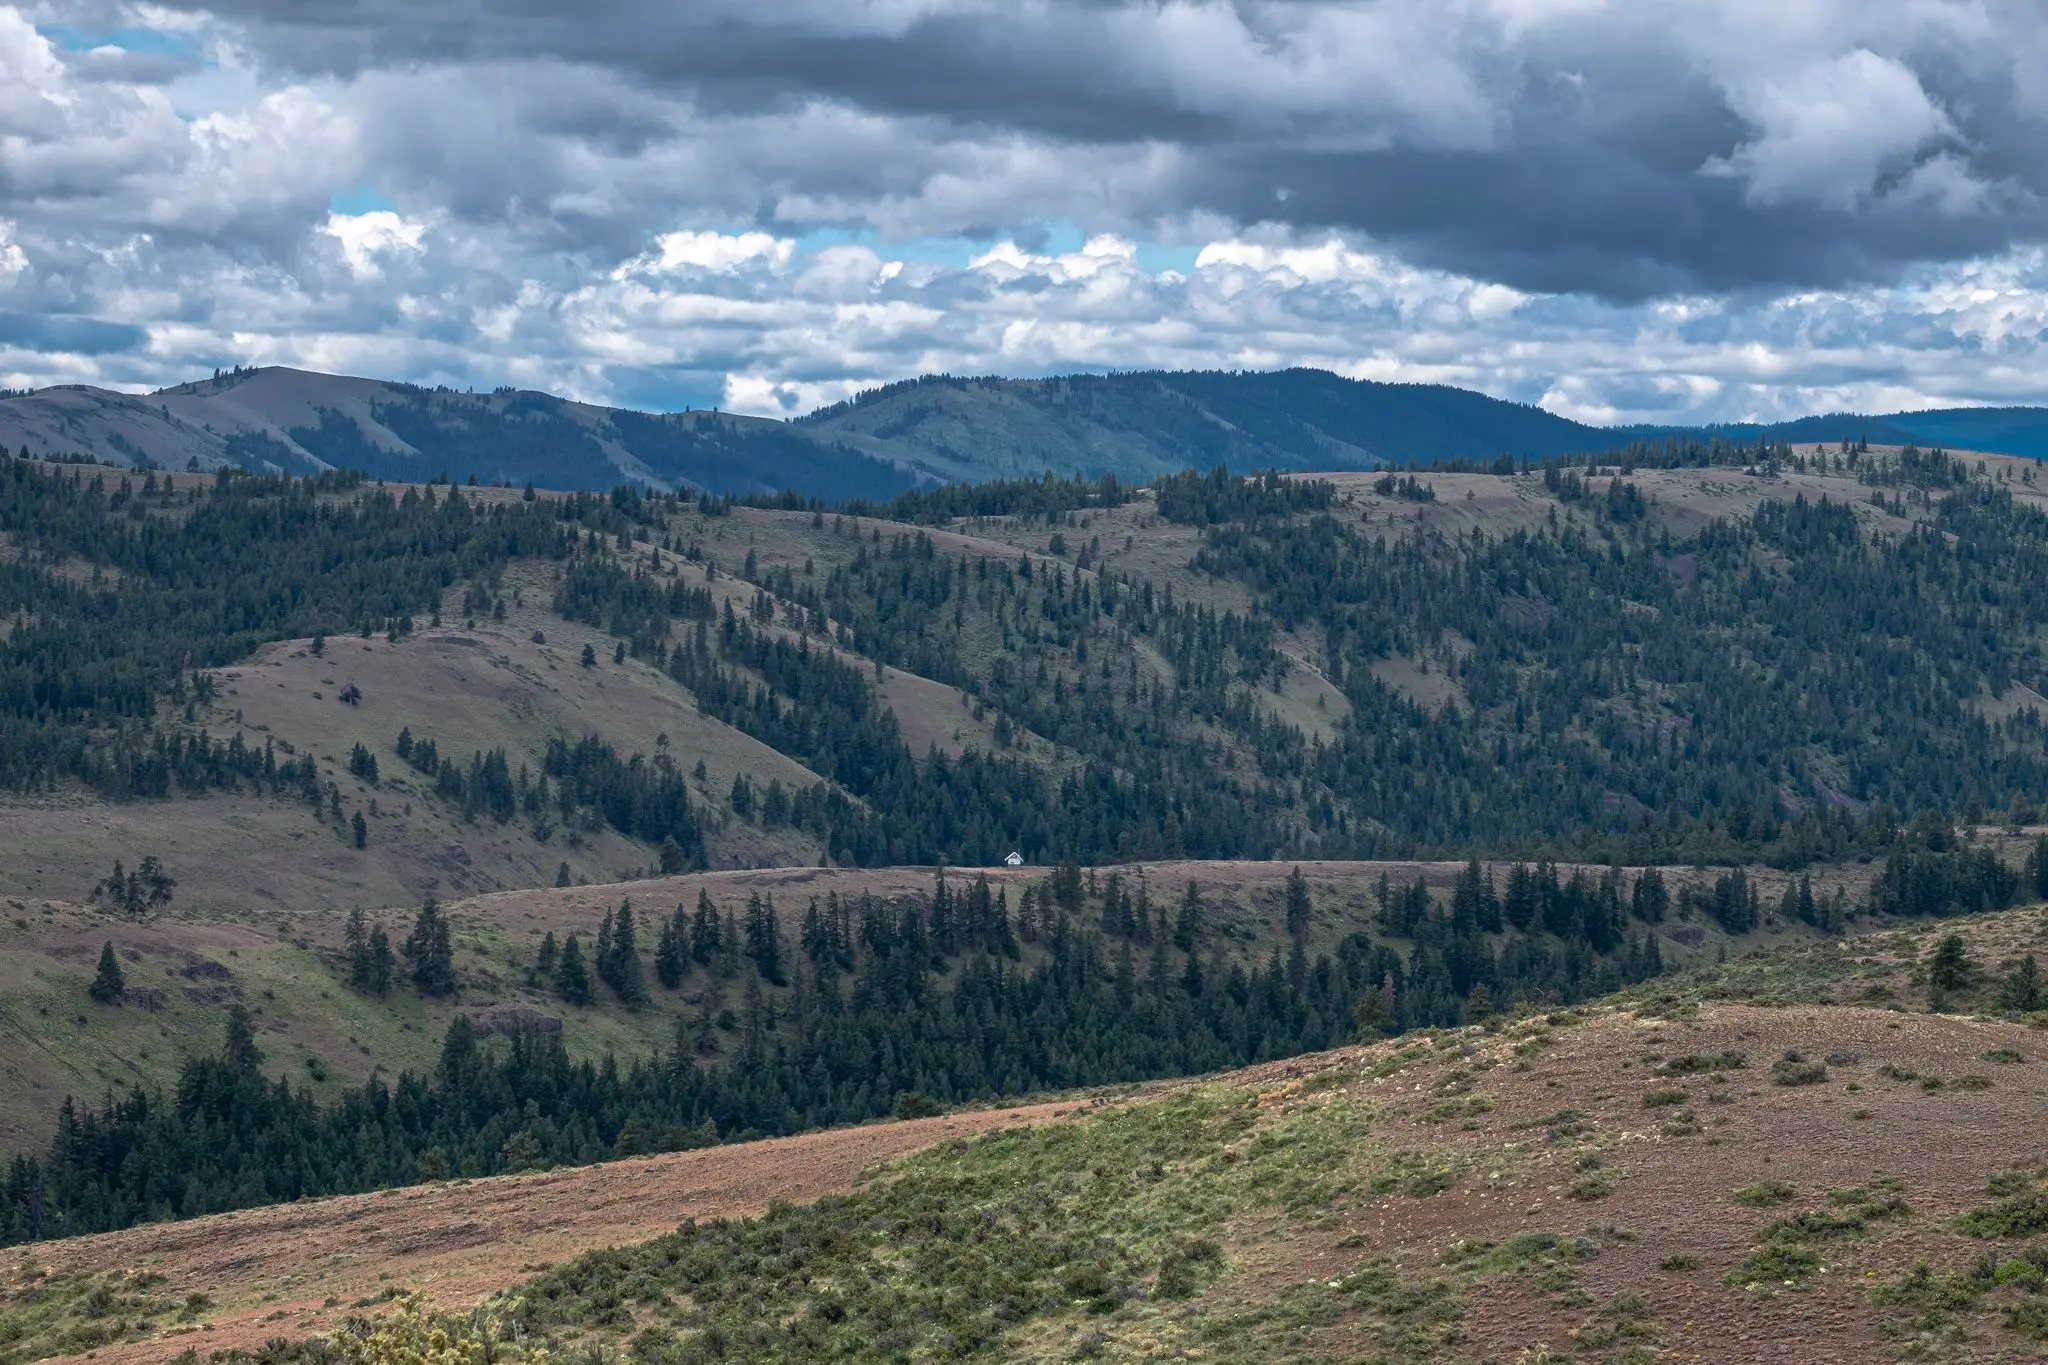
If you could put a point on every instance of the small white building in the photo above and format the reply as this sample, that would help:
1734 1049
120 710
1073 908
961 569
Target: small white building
1015 859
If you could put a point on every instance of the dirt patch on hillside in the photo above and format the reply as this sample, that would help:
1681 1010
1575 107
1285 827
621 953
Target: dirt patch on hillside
298 1268
1607 1128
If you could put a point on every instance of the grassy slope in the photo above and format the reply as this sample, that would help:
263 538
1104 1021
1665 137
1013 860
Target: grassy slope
1609 1183
287 967
492 686
244 861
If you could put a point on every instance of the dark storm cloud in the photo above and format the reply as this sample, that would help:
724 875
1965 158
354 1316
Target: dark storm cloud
1549 144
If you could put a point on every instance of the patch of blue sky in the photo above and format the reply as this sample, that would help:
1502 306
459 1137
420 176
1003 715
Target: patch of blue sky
358 199
1054 238
171 42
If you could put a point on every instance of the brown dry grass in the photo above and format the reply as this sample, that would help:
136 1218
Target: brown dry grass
1484 1104
296 1269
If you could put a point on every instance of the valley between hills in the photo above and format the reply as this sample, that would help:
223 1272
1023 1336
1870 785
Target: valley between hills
1576 911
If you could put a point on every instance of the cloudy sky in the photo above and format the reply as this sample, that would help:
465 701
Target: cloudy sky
1694 210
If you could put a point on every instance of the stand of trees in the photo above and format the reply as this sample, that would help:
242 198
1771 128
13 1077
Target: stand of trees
942 998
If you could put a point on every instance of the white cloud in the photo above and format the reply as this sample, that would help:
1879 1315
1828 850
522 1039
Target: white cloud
368 239
571 218
1829 132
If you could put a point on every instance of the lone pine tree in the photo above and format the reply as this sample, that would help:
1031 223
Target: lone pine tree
108 984
429 951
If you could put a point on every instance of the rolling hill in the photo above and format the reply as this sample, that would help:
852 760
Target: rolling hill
935 429
1682 712
1737 1164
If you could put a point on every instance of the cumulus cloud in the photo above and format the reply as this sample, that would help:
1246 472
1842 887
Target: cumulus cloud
1727 209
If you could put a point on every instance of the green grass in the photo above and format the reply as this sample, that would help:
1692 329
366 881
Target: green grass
69 1314
1148 1231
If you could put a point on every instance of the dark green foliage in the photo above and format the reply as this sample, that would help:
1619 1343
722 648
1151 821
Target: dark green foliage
363 763
1217 497
360 829
641 800
197 581
147 888
1949 968
1299 908
429 951
1406 487
671 953
572 978
368 951
1918 882
618 957
1795 1068
2020 989
108 984
1765 1194
927 998
2022 1213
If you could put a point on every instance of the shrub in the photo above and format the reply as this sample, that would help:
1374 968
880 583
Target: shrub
912 1105
1696 1063
1794 1069
1764 1194
1663 1099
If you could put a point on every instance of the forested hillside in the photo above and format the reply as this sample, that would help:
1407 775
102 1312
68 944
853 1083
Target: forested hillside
1592 671
1690 654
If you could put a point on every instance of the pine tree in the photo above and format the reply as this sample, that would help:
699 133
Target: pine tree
240 1050
362 830
355 946
2021 989
1187 927
670 957
572 978
704 930
764 938
429 951
1949 968
108 984
623 972
383 962
544 962
1299 907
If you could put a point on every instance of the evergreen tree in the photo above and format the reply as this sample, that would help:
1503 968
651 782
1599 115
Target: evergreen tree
430 952
764 938
544 961
1950 968
1299 906
1187 927
383 962
620 967
361 830
1651 898
572 978
240 1052
2020 992
108 984
704 931
671 958
355 947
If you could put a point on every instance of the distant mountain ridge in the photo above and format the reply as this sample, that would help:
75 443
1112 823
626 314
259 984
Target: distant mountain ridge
934 429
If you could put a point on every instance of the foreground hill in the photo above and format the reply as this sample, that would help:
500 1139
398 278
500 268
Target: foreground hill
1670 1173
